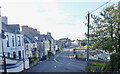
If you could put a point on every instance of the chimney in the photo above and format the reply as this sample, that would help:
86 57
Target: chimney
4 20
48 33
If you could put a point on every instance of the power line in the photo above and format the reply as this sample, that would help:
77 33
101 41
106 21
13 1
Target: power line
101 6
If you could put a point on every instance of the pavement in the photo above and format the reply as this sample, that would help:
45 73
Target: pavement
61 62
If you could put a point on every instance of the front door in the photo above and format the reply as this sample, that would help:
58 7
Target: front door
19 54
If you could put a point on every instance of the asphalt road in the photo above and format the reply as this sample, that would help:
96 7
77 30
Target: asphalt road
62 62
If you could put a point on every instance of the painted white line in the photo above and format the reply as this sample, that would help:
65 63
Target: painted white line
54 66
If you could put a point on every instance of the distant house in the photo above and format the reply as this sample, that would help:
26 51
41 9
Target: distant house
76 42
58 45
30 37
46 43
51 42
43 45
65 42
30 47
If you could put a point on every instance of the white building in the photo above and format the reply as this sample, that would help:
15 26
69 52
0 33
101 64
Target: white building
51 41
30 47
31 37
13 44
45 45
0 37
13 47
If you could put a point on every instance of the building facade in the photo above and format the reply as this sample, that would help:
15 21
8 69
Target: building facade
31 36
13 43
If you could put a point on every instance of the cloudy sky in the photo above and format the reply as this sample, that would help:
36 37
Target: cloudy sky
63 18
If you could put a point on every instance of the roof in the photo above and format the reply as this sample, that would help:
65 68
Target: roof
28 40
43 36
64 39
12 28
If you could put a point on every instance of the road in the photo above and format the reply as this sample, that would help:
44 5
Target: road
62 62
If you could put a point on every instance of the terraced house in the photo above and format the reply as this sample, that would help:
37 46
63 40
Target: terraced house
12 46
31 35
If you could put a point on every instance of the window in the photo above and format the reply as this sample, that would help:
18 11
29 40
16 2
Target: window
8 55
33 46
22 41
19 44
19 52
27 55
7 39
14 55
12 40
26 47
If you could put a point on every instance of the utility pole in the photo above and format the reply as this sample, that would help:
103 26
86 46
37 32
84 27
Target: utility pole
88 18
119 26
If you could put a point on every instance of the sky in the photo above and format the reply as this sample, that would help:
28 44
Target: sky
63 18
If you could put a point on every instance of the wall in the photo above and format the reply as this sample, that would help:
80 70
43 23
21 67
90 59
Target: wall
46 42
28 52
0 37
14 48
15 65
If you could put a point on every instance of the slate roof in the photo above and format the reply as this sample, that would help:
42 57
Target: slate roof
11 28
46 37
28 40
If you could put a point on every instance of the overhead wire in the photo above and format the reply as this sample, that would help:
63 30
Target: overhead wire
101 6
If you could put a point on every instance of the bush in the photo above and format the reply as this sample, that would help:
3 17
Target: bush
50 53
97 64
96 67
31 60
107 67
115 61
44 57
34 57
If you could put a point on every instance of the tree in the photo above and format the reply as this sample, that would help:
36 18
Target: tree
83 43
104 30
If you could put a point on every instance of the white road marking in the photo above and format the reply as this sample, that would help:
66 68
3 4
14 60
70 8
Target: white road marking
54 66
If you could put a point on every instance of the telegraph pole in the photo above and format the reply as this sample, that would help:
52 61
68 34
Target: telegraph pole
88 18
119 27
